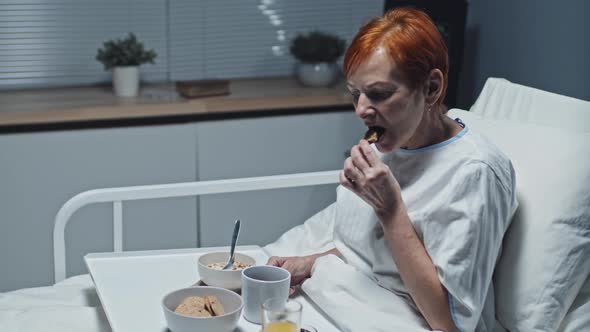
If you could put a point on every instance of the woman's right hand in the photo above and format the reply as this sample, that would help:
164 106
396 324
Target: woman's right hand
299 266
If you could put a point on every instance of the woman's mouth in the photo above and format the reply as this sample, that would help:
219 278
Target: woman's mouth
373 134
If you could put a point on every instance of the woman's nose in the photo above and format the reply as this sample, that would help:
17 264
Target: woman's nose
363 107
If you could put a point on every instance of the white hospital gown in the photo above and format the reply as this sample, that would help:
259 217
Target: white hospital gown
460 196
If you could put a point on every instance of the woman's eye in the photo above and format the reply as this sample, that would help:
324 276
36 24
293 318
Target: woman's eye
355 96
378 95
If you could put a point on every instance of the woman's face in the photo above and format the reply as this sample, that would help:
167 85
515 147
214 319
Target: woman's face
382 99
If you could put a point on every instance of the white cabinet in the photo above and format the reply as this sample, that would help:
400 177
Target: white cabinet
269 146
40 171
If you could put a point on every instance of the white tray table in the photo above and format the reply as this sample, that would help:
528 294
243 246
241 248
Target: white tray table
131 286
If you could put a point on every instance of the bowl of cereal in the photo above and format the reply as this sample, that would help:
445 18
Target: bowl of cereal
202 309
211 271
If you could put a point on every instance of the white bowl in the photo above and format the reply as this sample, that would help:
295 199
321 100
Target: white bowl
232 304
229 279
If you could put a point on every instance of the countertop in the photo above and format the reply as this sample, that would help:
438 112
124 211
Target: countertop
97 106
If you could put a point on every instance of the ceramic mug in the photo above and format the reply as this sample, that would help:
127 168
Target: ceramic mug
259 283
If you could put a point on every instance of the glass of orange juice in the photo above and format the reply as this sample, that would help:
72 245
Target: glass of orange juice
281 315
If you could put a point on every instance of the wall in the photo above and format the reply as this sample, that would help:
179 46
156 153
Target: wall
540 43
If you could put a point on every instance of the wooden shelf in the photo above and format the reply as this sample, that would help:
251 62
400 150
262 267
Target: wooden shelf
78 105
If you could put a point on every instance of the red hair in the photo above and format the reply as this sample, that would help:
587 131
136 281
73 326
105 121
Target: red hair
411 40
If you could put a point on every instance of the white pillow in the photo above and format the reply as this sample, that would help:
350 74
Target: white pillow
546 250
503 100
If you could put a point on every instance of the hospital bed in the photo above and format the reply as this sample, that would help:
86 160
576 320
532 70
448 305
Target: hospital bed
542 277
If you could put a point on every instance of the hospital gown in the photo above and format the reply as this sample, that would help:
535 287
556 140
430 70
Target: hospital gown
460 197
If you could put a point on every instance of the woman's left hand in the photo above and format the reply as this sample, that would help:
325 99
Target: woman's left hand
368 177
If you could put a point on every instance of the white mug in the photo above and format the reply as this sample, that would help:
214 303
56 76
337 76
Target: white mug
259 283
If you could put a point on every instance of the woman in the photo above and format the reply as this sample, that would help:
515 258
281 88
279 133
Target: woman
426 217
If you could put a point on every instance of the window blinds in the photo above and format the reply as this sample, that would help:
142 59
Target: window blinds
54 42
51 42
250 38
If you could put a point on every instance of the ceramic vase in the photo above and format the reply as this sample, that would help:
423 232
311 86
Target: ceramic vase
321 74
126 81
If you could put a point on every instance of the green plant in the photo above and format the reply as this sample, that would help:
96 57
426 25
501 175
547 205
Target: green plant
316 47
124 52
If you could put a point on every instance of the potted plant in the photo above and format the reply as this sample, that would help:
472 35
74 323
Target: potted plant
317 53
124 56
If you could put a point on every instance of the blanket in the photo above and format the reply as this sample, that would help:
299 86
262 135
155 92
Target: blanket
71 305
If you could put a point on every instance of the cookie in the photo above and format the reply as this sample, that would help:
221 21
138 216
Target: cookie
372 135
213 306
192 306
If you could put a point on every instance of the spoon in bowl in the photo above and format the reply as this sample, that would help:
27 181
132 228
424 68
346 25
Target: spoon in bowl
234 240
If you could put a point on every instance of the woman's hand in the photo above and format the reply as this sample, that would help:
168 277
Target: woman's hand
368 177
299 267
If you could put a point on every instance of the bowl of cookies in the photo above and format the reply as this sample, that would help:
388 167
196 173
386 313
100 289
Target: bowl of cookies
210 267
202 308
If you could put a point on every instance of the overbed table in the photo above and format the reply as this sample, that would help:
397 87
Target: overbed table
131 286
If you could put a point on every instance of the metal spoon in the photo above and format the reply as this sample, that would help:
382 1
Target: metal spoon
234 240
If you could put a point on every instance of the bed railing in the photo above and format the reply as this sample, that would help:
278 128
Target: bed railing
120 194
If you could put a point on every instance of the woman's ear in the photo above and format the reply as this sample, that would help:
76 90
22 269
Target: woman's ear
434 86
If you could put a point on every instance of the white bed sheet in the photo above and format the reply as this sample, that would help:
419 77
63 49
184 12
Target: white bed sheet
71 305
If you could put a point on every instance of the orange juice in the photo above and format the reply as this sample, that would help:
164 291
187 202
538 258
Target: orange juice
283 326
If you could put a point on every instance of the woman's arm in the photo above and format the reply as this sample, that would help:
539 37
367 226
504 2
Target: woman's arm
417 270
329 252
368 177
299 266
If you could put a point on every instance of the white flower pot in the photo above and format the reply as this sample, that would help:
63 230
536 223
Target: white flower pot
317 74
126 81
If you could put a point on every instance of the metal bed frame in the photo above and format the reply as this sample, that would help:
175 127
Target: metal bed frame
118 195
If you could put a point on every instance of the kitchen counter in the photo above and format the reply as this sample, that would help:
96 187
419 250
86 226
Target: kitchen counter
97 106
